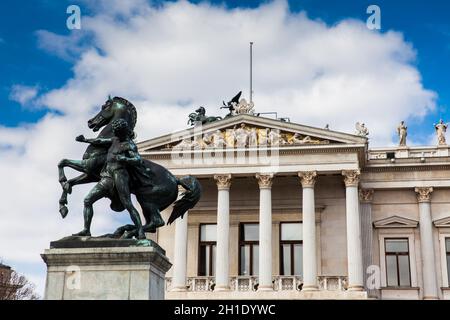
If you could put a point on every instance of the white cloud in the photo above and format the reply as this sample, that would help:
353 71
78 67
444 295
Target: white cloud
165 57
23 94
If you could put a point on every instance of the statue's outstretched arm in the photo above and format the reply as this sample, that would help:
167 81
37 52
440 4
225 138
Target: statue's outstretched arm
95 141
100 141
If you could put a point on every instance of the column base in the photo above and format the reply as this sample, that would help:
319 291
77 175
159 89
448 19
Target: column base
430 298
310 288
355 288
265 288
222 288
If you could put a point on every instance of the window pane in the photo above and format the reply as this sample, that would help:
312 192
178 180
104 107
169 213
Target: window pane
447 245
245 260
298 259
448 267
291 231
202 264
251 232
213 262
207 260
286 267
255 262
396 245
403 265
208 232
391 270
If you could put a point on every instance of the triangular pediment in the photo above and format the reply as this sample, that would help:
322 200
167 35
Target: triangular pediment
442 223
396 222
245 131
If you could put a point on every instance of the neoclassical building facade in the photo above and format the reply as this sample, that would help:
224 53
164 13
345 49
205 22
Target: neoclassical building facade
295 212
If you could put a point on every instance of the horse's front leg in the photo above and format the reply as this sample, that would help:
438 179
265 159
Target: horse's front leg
67 189
78 165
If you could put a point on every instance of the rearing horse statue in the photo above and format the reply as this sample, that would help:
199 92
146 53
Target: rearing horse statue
153 200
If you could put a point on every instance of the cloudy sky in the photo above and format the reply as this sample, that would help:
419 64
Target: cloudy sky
314 61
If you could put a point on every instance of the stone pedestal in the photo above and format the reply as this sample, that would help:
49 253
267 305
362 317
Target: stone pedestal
84 268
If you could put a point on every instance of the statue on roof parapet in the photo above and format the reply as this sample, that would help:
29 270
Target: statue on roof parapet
441 129
200 116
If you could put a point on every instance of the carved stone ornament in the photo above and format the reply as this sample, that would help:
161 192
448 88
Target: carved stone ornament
265 180
223 181
351 177
308 178
424 194
366 195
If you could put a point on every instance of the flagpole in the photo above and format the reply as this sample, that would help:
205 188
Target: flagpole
251 72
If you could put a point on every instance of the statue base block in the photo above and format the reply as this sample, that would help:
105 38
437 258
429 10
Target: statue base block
85 268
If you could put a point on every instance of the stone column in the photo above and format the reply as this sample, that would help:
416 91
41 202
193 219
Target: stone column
265 231
354 250
180 251
308 179
223 232
365 200
430 290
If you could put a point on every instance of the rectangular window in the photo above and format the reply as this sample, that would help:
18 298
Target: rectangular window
207 250
249 249
291 249
397 263
447 249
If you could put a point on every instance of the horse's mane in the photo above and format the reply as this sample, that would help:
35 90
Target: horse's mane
132 110
131 107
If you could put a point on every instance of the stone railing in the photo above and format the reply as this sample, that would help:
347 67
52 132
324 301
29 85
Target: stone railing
244 283
250 283
332 283
408 152
287 283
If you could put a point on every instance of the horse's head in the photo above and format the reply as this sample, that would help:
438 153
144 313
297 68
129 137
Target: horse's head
114 108
201 111
103 117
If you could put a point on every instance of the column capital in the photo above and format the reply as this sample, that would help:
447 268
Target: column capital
264 180
223 181
366 195
308 178
423 194
351 177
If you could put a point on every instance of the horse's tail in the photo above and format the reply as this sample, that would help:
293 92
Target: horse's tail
189 199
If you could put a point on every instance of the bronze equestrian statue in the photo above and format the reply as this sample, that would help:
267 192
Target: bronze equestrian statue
113 161
200 116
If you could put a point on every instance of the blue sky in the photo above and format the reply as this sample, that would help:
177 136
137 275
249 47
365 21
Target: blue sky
425 24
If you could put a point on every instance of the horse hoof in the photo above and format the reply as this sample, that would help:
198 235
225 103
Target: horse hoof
63 211
67 187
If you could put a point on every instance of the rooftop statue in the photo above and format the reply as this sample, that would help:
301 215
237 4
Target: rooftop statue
402 131
113 161
200 116
231 105
361 130
441 129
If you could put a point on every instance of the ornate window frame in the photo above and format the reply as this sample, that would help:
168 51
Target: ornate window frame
443 226
397 227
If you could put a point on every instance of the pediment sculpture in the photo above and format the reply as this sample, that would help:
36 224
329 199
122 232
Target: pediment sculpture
244 136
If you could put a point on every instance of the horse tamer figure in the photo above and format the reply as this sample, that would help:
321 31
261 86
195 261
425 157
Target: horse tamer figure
113 161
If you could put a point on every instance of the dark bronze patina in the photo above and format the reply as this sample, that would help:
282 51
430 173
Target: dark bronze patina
113 161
